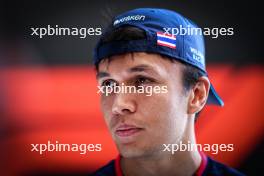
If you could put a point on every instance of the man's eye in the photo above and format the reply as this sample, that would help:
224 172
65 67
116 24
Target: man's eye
108 83
143 80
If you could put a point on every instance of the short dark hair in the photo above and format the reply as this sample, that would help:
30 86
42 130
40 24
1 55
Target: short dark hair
190 74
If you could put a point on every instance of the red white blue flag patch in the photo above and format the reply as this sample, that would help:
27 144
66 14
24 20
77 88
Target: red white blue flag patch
167 40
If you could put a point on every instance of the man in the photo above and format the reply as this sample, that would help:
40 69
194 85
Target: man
138 51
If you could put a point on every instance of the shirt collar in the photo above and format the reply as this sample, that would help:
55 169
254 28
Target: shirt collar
199 171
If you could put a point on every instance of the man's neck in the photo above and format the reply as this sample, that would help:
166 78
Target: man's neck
180 163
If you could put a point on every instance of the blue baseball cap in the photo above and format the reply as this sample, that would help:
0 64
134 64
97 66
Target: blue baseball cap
167 33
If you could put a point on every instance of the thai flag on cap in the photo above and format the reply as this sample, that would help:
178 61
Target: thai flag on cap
167 40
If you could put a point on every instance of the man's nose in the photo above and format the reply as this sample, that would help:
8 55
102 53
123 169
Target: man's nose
124 104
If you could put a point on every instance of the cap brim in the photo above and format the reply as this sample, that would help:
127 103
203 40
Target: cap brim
214 98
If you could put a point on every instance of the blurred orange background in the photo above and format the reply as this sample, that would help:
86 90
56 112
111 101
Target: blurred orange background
60 103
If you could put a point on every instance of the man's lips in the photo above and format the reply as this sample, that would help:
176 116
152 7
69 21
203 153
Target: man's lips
126 130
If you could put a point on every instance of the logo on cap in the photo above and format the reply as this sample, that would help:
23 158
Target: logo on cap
167 40
129 18
197 55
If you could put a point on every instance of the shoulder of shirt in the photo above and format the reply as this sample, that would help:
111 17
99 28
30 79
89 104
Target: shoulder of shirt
215 168
108 169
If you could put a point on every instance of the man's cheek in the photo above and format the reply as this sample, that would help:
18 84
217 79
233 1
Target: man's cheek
106 105
107 117
107 111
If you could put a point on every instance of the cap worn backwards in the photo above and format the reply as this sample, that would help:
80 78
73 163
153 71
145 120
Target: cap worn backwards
163 36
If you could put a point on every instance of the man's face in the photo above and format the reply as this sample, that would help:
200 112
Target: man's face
141 124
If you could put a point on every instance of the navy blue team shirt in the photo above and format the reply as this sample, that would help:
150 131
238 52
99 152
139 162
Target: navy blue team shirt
208 167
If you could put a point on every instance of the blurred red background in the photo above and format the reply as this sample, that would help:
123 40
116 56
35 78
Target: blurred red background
60 103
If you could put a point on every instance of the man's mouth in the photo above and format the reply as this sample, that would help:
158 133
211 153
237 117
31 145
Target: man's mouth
126 130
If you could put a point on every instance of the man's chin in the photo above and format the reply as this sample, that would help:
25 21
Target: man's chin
130 151
131 154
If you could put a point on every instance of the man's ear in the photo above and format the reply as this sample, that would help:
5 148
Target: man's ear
198 95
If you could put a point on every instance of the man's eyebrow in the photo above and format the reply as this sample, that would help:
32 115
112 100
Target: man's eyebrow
139 68
102 74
